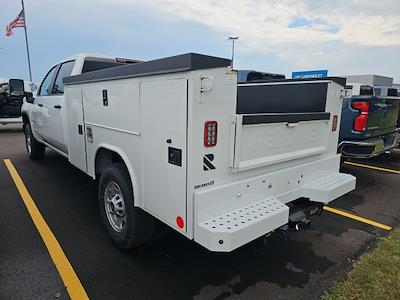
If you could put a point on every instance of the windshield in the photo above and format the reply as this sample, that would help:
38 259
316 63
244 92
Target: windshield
4 88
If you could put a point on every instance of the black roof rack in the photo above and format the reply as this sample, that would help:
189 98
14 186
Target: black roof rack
173 64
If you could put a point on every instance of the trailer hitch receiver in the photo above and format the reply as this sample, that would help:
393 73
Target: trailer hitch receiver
301 212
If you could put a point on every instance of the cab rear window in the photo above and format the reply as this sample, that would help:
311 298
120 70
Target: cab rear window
252 76
4 88
366 90
92 65
392 92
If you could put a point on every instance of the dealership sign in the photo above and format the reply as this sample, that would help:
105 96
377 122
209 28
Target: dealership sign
309 74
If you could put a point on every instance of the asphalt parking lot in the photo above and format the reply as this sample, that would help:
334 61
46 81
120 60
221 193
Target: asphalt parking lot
303 265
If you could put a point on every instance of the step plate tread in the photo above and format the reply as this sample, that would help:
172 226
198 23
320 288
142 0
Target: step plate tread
330 182
246 216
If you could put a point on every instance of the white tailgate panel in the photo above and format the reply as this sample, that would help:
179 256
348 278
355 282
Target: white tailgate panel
266 144
164 111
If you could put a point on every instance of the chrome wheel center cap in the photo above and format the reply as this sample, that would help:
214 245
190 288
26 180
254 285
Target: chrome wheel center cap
115 206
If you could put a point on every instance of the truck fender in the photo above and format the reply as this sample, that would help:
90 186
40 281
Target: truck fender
26 120
125 160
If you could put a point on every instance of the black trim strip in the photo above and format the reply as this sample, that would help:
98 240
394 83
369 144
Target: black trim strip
284 118
339 80
279 98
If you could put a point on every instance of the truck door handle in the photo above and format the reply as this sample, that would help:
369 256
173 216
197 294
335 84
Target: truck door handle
40 104
57 106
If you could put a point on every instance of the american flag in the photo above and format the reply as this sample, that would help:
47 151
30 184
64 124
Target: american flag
19 21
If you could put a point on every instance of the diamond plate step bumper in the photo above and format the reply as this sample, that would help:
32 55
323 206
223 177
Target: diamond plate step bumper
229 231
260 202
331 187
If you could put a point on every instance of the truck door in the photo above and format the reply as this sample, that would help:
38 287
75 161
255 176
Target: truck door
39 112
164 130
53 107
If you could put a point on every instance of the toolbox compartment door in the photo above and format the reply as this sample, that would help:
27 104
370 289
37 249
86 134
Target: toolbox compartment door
163 105
76 128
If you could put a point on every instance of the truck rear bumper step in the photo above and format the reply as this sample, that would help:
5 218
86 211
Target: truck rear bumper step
369 148
330 187
220 210
235 228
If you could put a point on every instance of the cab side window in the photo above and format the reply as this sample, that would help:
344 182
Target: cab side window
45 88
65 71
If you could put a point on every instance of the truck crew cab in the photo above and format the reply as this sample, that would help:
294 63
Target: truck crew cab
178 139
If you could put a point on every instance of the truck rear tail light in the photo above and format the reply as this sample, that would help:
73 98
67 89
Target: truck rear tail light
210 133
360 122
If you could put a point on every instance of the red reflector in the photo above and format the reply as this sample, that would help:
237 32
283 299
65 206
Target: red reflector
210 133
360 122
180 222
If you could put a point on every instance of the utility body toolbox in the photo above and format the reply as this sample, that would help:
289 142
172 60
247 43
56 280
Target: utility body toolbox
218 161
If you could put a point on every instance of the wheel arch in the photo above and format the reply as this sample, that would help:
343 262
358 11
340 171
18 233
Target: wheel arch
106 155
25 119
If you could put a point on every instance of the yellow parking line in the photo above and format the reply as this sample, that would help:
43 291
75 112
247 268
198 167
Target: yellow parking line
71 281
372 167
357 218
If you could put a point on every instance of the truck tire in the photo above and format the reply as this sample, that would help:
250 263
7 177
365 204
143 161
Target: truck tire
127 225
35 149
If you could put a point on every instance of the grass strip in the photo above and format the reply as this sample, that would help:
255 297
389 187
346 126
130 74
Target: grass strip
375 275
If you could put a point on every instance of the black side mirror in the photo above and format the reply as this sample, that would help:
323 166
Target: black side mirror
17 87
29 97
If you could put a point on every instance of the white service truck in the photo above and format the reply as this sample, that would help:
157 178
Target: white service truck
179 140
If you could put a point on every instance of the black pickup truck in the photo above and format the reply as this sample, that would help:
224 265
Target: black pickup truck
11 100
369 123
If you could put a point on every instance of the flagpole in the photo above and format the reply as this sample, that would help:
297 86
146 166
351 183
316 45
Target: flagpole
26 42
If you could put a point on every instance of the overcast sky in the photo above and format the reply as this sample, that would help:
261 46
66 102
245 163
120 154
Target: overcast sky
343 36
